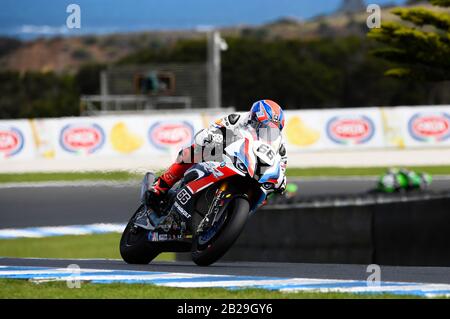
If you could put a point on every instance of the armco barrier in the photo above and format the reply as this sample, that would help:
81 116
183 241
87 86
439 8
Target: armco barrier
395 230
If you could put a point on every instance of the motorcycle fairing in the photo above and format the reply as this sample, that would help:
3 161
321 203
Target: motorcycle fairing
243 152
206 174
246 151
214 172
271 174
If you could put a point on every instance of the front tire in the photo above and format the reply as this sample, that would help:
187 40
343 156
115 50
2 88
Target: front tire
236 218
134 245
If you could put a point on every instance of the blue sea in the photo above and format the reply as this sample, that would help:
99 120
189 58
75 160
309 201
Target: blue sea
28 19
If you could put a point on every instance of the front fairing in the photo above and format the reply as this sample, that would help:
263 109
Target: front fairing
256 154
241 153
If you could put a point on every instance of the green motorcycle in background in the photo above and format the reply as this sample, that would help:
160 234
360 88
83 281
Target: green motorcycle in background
402 180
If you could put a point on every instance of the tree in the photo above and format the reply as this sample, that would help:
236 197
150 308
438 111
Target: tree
420 46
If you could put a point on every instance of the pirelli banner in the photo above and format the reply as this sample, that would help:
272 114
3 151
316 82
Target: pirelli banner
145 135
81 137
365 128
416 127
16 140
334 129
123 136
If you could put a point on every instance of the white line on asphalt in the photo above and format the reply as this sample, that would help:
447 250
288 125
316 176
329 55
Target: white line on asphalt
192 280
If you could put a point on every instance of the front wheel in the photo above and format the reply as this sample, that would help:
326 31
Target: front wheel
207 251
134 245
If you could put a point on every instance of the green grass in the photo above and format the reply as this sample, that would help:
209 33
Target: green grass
15 288
106 246
66 176
84 246
125 176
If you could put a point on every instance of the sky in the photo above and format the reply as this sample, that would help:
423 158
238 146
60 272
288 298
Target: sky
23 18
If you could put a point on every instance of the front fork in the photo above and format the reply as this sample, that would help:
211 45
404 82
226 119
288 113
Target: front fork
222 197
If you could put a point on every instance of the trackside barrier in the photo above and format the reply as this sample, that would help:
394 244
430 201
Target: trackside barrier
408 231
128 136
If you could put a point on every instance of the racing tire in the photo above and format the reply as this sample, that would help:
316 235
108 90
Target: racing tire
134 245
237 214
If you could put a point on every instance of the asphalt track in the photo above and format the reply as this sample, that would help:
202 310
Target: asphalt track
69 204
284 270
59 204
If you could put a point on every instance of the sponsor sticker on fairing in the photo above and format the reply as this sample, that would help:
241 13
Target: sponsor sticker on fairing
164 135
183 196
11 141
181 210
430 127
350 130
82 138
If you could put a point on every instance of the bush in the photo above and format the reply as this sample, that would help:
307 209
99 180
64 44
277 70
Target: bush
320 73
35 94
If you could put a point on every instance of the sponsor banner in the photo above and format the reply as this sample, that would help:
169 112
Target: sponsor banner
124 135
166 134
350 129
304 130
79 137
333 129
415 127
392 119
355 128
429 126
11 141
16 140
43 132
147 135
82 138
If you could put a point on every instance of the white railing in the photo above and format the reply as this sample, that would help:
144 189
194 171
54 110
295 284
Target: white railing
103 104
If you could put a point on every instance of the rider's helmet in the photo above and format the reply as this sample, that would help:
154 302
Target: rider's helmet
267 117
266 113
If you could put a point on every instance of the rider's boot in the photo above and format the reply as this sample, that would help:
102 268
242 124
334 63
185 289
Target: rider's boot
154 198
156 193
165 181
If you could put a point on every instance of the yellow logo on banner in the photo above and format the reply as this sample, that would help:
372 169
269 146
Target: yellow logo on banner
298 133
124 141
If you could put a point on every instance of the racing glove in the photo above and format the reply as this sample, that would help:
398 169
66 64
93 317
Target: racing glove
215 137
206 136
282 188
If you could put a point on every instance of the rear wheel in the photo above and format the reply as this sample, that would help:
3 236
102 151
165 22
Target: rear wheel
210 246
134 245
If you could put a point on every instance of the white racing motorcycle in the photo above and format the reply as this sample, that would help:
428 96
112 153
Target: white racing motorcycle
215 199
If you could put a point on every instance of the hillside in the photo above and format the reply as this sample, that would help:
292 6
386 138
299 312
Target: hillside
67 54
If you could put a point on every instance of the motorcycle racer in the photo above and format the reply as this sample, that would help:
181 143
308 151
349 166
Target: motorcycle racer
402 180
265 117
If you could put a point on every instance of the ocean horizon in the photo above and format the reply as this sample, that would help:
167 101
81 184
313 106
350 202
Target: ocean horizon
30 19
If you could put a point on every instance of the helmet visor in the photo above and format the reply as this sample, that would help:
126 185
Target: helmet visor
268 132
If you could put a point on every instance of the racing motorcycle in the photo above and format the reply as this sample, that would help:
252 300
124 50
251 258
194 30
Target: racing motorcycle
216 197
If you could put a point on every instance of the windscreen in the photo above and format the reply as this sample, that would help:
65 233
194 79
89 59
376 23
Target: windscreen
269 134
